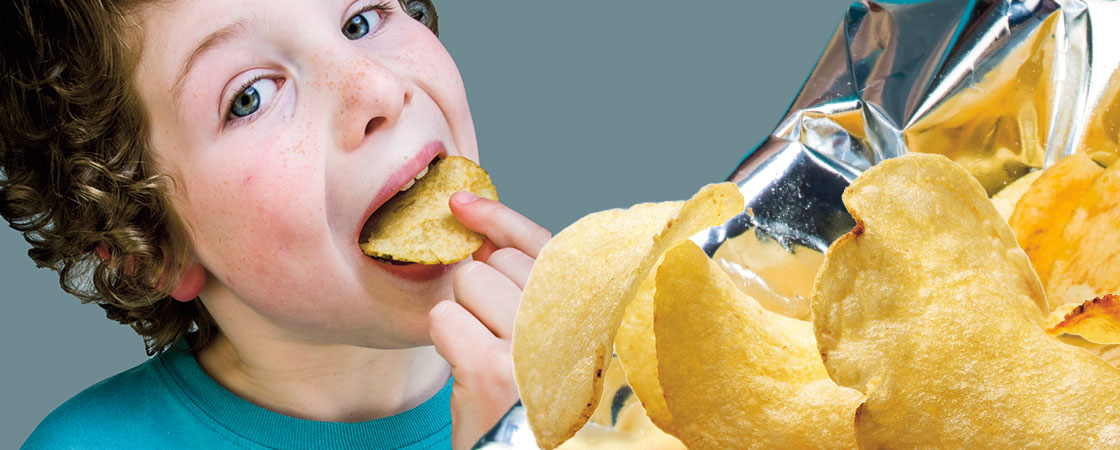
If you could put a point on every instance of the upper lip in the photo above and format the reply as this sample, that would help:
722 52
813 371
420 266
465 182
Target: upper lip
402 176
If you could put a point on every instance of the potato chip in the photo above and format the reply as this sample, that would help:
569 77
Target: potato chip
416 225
1043 211
620 422
637 352
1110 353
1097 320
1104 158
574 299
930 308
1006 199
736 375
1089 263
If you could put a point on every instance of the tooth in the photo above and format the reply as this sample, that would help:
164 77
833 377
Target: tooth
408 185
422 173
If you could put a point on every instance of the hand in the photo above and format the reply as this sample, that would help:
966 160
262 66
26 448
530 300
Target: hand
473 332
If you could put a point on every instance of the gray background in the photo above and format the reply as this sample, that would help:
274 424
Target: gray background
579 107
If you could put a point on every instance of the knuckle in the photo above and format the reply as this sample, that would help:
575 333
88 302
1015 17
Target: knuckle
499 364
469 374
541 237
464 275
489 209
505 255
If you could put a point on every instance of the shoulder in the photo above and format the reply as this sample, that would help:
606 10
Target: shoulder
104 414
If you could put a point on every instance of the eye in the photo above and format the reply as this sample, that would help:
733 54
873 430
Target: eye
361 24
250 98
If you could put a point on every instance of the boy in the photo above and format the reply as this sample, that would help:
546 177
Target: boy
202 171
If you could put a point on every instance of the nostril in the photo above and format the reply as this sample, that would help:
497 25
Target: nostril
373 124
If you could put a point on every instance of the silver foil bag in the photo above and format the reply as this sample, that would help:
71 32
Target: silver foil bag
1001 87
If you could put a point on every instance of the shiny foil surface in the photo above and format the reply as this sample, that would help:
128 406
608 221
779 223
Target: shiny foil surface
1003 88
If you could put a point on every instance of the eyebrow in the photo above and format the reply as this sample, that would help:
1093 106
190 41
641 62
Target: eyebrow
208 43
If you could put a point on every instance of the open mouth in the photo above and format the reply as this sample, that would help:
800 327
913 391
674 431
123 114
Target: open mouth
416 224
371 221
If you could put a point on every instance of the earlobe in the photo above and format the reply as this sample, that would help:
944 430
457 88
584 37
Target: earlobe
194 279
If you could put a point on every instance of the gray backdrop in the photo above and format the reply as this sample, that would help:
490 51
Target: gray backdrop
579 107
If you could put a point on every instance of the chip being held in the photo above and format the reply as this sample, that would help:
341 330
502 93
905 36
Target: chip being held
930 308
416 225
575 296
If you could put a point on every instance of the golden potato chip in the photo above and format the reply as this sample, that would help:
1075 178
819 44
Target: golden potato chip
1104 158
416 225
1043 211
1007 197
573 302
736 375
1110 353
1089 263
620 422
637 352
930 308
1097 320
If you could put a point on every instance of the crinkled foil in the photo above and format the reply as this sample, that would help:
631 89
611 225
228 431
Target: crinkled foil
1001 87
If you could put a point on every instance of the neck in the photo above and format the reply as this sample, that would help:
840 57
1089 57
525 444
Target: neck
329 383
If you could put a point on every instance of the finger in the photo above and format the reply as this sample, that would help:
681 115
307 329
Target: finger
483 253
475 411
458 335
504 226
488 295
512 263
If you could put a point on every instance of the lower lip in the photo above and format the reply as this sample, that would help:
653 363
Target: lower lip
414 272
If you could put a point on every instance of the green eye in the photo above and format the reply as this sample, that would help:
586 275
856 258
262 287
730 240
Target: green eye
248 101
253 96
359 25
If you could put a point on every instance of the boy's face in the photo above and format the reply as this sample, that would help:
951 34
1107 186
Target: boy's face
285 123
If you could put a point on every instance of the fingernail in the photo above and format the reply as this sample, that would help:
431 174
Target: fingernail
439 308
466 197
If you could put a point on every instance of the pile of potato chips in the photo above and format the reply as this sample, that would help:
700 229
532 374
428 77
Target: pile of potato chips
929 324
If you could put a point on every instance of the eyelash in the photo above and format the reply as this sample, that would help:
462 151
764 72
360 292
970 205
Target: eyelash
383 9
233 121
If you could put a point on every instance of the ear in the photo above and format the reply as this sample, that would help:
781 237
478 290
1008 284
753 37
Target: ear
103 251
194 279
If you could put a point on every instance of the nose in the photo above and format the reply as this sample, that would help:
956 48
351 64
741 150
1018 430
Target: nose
371 98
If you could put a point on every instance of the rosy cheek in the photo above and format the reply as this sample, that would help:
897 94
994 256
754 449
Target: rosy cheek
258 213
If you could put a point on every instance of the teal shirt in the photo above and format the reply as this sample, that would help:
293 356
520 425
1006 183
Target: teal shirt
169 402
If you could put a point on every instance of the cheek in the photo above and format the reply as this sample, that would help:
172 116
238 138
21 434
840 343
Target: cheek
254 217
437 75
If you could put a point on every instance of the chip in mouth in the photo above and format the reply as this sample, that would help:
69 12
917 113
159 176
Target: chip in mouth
416 225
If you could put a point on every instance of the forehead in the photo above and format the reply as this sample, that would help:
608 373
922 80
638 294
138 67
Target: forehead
182 28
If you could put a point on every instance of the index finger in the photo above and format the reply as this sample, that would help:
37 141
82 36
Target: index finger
501 225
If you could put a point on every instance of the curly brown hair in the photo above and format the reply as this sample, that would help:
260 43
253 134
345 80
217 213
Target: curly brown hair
75 173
